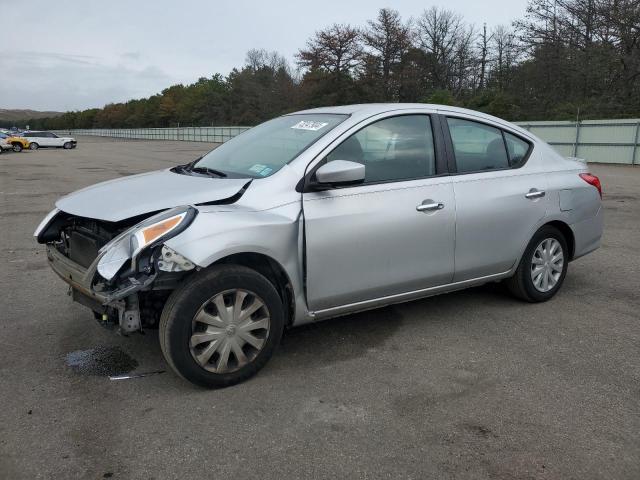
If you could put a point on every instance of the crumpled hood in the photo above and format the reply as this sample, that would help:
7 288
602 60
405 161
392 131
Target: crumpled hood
127 197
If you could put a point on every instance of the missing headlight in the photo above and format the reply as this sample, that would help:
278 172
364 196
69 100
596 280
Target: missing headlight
172 261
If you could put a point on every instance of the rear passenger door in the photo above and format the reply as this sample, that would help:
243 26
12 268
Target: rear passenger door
500 197
52 139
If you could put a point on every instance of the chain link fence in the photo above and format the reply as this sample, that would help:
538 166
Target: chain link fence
190 134
603 141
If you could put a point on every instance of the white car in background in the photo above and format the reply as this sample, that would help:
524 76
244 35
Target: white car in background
48 139
4 144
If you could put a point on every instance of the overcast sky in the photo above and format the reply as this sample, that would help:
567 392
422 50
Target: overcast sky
68 55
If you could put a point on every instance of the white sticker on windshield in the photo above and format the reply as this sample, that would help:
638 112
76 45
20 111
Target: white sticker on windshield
257 168
313 126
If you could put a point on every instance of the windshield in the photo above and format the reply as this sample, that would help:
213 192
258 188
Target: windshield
263 150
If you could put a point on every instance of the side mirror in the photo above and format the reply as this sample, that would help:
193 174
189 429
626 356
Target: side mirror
339 173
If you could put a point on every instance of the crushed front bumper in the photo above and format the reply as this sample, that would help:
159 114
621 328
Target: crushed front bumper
85 291
78 277
82 279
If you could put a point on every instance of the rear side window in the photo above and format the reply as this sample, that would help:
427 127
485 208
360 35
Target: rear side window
517 148
393 149
477 147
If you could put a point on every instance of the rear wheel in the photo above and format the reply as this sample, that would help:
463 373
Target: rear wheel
33 146
222 326
542 268
17 147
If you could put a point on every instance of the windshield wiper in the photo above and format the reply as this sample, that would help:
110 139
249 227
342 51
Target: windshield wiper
187 166
212 172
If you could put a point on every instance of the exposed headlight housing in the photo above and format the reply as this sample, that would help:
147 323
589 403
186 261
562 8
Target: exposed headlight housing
45 222
150 232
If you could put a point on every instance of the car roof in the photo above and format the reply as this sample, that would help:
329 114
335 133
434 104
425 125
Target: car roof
365 110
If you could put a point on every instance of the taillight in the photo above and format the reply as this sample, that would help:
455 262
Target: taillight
592 180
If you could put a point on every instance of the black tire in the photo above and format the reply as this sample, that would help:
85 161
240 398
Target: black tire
186 301
67 146
33 146
521 283
17 147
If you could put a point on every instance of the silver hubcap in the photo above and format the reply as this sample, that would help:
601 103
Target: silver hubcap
229 331
547 264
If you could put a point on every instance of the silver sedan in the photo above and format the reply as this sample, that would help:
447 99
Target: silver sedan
318 214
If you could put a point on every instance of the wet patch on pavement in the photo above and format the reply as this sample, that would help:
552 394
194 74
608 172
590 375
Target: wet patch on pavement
101 361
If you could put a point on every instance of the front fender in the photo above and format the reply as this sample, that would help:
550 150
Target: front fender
275 233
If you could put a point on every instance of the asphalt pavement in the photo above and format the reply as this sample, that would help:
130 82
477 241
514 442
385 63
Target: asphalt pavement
470 385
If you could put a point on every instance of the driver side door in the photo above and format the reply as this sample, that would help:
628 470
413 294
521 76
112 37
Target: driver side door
390 235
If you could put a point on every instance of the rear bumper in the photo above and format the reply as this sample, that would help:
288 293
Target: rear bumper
588 234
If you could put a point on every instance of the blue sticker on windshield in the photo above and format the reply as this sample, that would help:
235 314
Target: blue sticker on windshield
266 171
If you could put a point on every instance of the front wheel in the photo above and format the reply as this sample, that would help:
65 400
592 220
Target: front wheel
17 147
67 145
542 268
33 146
222 326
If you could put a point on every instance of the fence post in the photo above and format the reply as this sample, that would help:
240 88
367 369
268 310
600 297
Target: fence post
635 144
575 145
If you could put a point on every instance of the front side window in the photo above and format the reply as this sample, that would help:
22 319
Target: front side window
398 148
477 147
263 150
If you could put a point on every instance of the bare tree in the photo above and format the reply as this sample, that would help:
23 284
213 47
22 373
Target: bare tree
622 21
484 52
389 38
504 54
440 33
465 61
336 50
257 59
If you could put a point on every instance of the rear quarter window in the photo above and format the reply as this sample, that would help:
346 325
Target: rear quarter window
517 148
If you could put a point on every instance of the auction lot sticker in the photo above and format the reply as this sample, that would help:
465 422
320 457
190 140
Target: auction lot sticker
306 125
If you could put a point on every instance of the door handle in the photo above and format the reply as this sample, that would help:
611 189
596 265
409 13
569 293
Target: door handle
535 193
428 207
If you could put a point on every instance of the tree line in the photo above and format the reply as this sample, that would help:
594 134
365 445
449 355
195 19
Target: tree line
565 59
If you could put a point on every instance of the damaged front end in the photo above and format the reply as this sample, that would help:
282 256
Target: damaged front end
121 270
